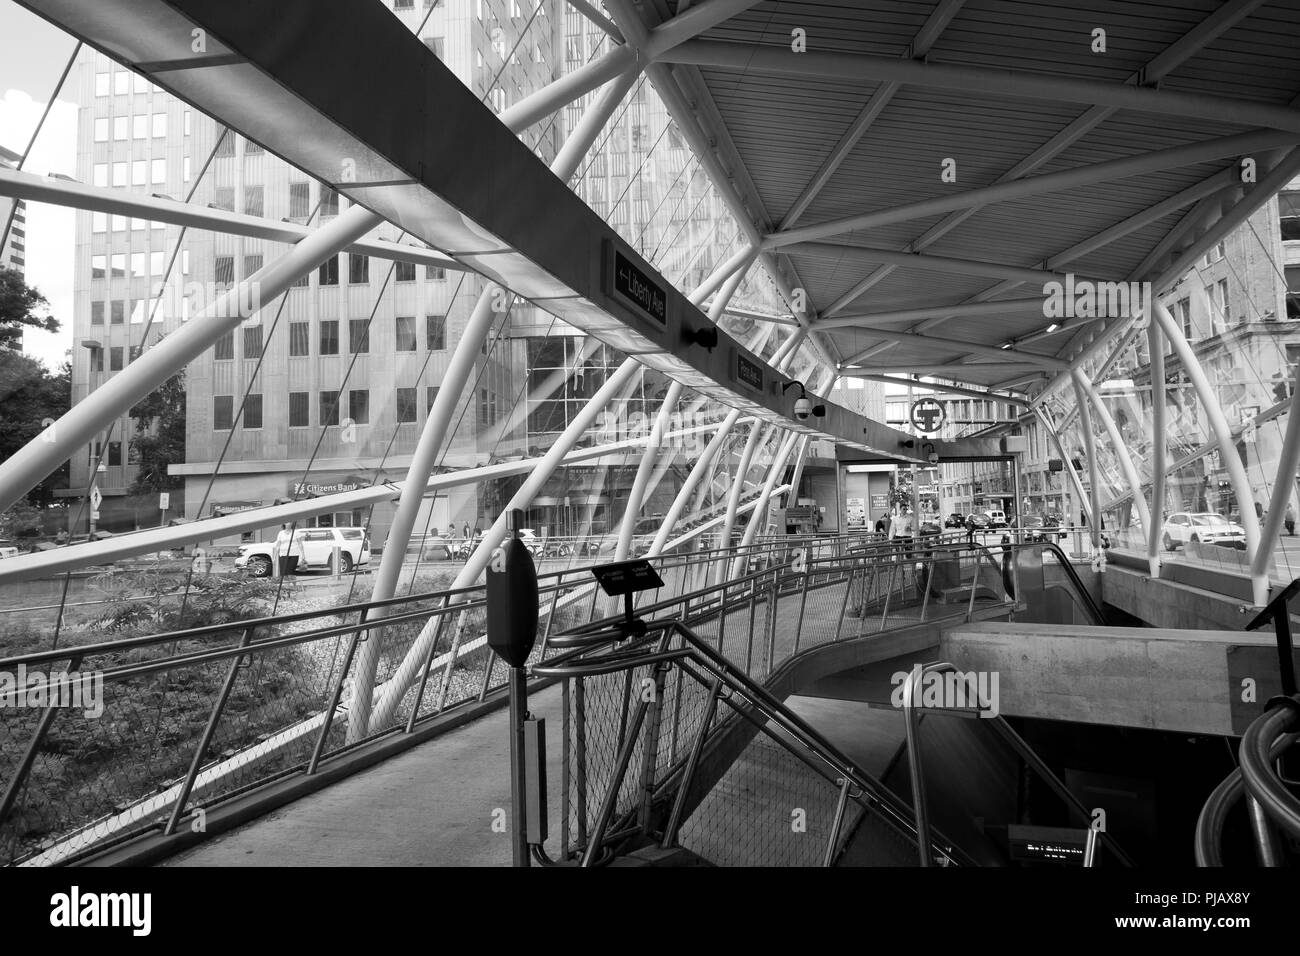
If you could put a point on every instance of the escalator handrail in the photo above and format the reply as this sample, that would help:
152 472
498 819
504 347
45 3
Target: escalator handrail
1093 608
874 794
1008 734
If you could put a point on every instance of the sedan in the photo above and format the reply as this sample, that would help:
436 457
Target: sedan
1201 528
954 520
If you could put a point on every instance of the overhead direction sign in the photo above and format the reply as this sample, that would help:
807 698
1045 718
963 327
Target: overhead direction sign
634 287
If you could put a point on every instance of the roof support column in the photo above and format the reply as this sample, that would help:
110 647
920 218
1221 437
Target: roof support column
408 671
1284 485
1069 467
432 437
732 273
121 392
758 434
1094 475
692 480
1117 441
1159 447
1227 448
759 515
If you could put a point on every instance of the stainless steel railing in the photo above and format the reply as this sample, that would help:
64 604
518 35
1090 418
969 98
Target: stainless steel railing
193 717
596 654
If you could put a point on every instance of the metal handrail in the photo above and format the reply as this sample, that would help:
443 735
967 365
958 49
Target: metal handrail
1026 753
872 795
1262 781
826 562
546 587
1265 752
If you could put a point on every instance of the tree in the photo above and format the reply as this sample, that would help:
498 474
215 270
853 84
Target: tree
159 439
30 399
20 521
19 304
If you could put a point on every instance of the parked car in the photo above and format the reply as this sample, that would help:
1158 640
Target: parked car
1040 528
317 551
954 520
1205 527
996 519
979 520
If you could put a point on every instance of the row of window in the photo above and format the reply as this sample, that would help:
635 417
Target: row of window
116 354
115 266
140 126
435 337
140 172
328 405
120 83
99 222
223 267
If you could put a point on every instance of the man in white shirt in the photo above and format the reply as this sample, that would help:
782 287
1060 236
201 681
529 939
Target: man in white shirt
288 549
901 527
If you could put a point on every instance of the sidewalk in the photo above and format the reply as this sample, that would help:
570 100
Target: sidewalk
432 806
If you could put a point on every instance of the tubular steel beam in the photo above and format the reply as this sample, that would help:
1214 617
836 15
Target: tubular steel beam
1129 166
938 345
963 310
731 273
459 369
1095 517
934 25
1284 485
842 252
982 81
1169 59
936 387
1159 447
1118 446
76 427
119 202
1227 449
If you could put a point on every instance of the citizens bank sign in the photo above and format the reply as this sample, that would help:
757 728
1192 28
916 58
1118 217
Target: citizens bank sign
327 486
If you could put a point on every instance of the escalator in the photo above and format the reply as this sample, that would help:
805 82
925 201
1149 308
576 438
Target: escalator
673 746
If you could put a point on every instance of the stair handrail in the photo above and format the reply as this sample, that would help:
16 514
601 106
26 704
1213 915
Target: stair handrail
871 793
919 805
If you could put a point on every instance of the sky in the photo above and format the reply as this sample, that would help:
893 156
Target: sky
32 55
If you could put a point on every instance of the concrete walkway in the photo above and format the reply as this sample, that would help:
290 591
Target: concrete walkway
432 806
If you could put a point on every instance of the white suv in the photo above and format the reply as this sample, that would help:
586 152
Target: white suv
997 519
317 551
1199 527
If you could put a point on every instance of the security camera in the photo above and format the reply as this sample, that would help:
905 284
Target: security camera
802 408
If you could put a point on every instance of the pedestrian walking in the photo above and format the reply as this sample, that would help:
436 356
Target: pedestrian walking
1289 520
288 549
